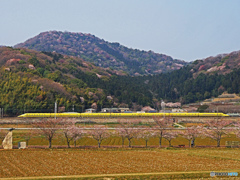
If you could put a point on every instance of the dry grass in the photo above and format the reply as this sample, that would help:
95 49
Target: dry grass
53 162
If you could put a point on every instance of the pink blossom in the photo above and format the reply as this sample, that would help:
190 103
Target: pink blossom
162 125
99 133
217 129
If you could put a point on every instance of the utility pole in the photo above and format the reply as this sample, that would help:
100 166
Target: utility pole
55 109
163 107
83 107
73 107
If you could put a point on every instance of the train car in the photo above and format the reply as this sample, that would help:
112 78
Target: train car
86 115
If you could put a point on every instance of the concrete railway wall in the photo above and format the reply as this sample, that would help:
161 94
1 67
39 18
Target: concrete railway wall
16 120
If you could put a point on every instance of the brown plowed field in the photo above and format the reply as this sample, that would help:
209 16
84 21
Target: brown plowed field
63 162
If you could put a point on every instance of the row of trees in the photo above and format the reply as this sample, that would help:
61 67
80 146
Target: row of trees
162 128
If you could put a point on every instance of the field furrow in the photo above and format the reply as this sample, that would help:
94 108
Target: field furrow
63 162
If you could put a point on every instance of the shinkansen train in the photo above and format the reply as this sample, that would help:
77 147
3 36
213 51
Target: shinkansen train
76 115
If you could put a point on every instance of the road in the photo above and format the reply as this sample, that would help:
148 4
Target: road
114 175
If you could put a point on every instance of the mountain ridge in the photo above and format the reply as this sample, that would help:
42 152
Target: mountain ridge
102 53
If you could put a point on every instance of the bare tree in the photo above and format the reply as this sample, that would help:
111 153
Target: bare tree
162 124
217 129
48 128
128 130
170 135
99 133
191 133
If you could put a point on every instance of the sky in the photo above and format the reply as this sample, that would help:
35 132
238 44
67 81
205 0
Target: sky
184 29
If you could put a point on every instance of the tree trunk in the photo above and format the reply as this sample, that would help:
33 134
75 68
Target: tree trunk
50 143
146 143
99 144
218 142
169 143
68 144
193 142
129 143
160 141
75 143
68 140
189 143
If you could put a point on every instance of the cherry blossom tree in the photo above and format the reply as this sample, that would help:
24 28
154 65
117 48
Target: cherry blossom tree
162 124
216 129
67 130
146 134
73 133
48 128
99 133
128 130
191 133
70 131
170 135
76 134
121 132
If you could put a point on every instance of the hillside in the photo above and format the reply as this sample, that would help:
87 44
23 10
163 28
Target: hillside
220 64
33 81
103 53
49 62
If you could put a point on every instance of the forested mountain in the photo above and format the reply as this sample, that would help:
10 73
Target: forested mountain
103 53
221 64
31 81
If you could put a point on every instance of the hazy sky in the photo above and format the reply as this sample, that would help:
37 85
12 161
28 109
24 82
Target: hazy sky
183 29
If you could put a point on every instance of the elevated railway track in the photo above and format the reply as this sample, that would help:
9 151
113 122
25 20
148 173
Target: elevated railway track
109 115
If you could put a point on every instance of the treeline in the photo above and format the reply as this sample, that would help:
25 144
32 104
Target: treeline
22 94
180 85
175 86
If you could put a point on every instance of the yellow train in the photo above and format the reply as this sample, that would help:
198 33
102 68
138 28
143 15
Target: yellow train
76 115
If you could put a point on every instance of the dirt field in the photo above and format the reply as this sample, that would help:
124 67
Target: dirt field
66 162
112 161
